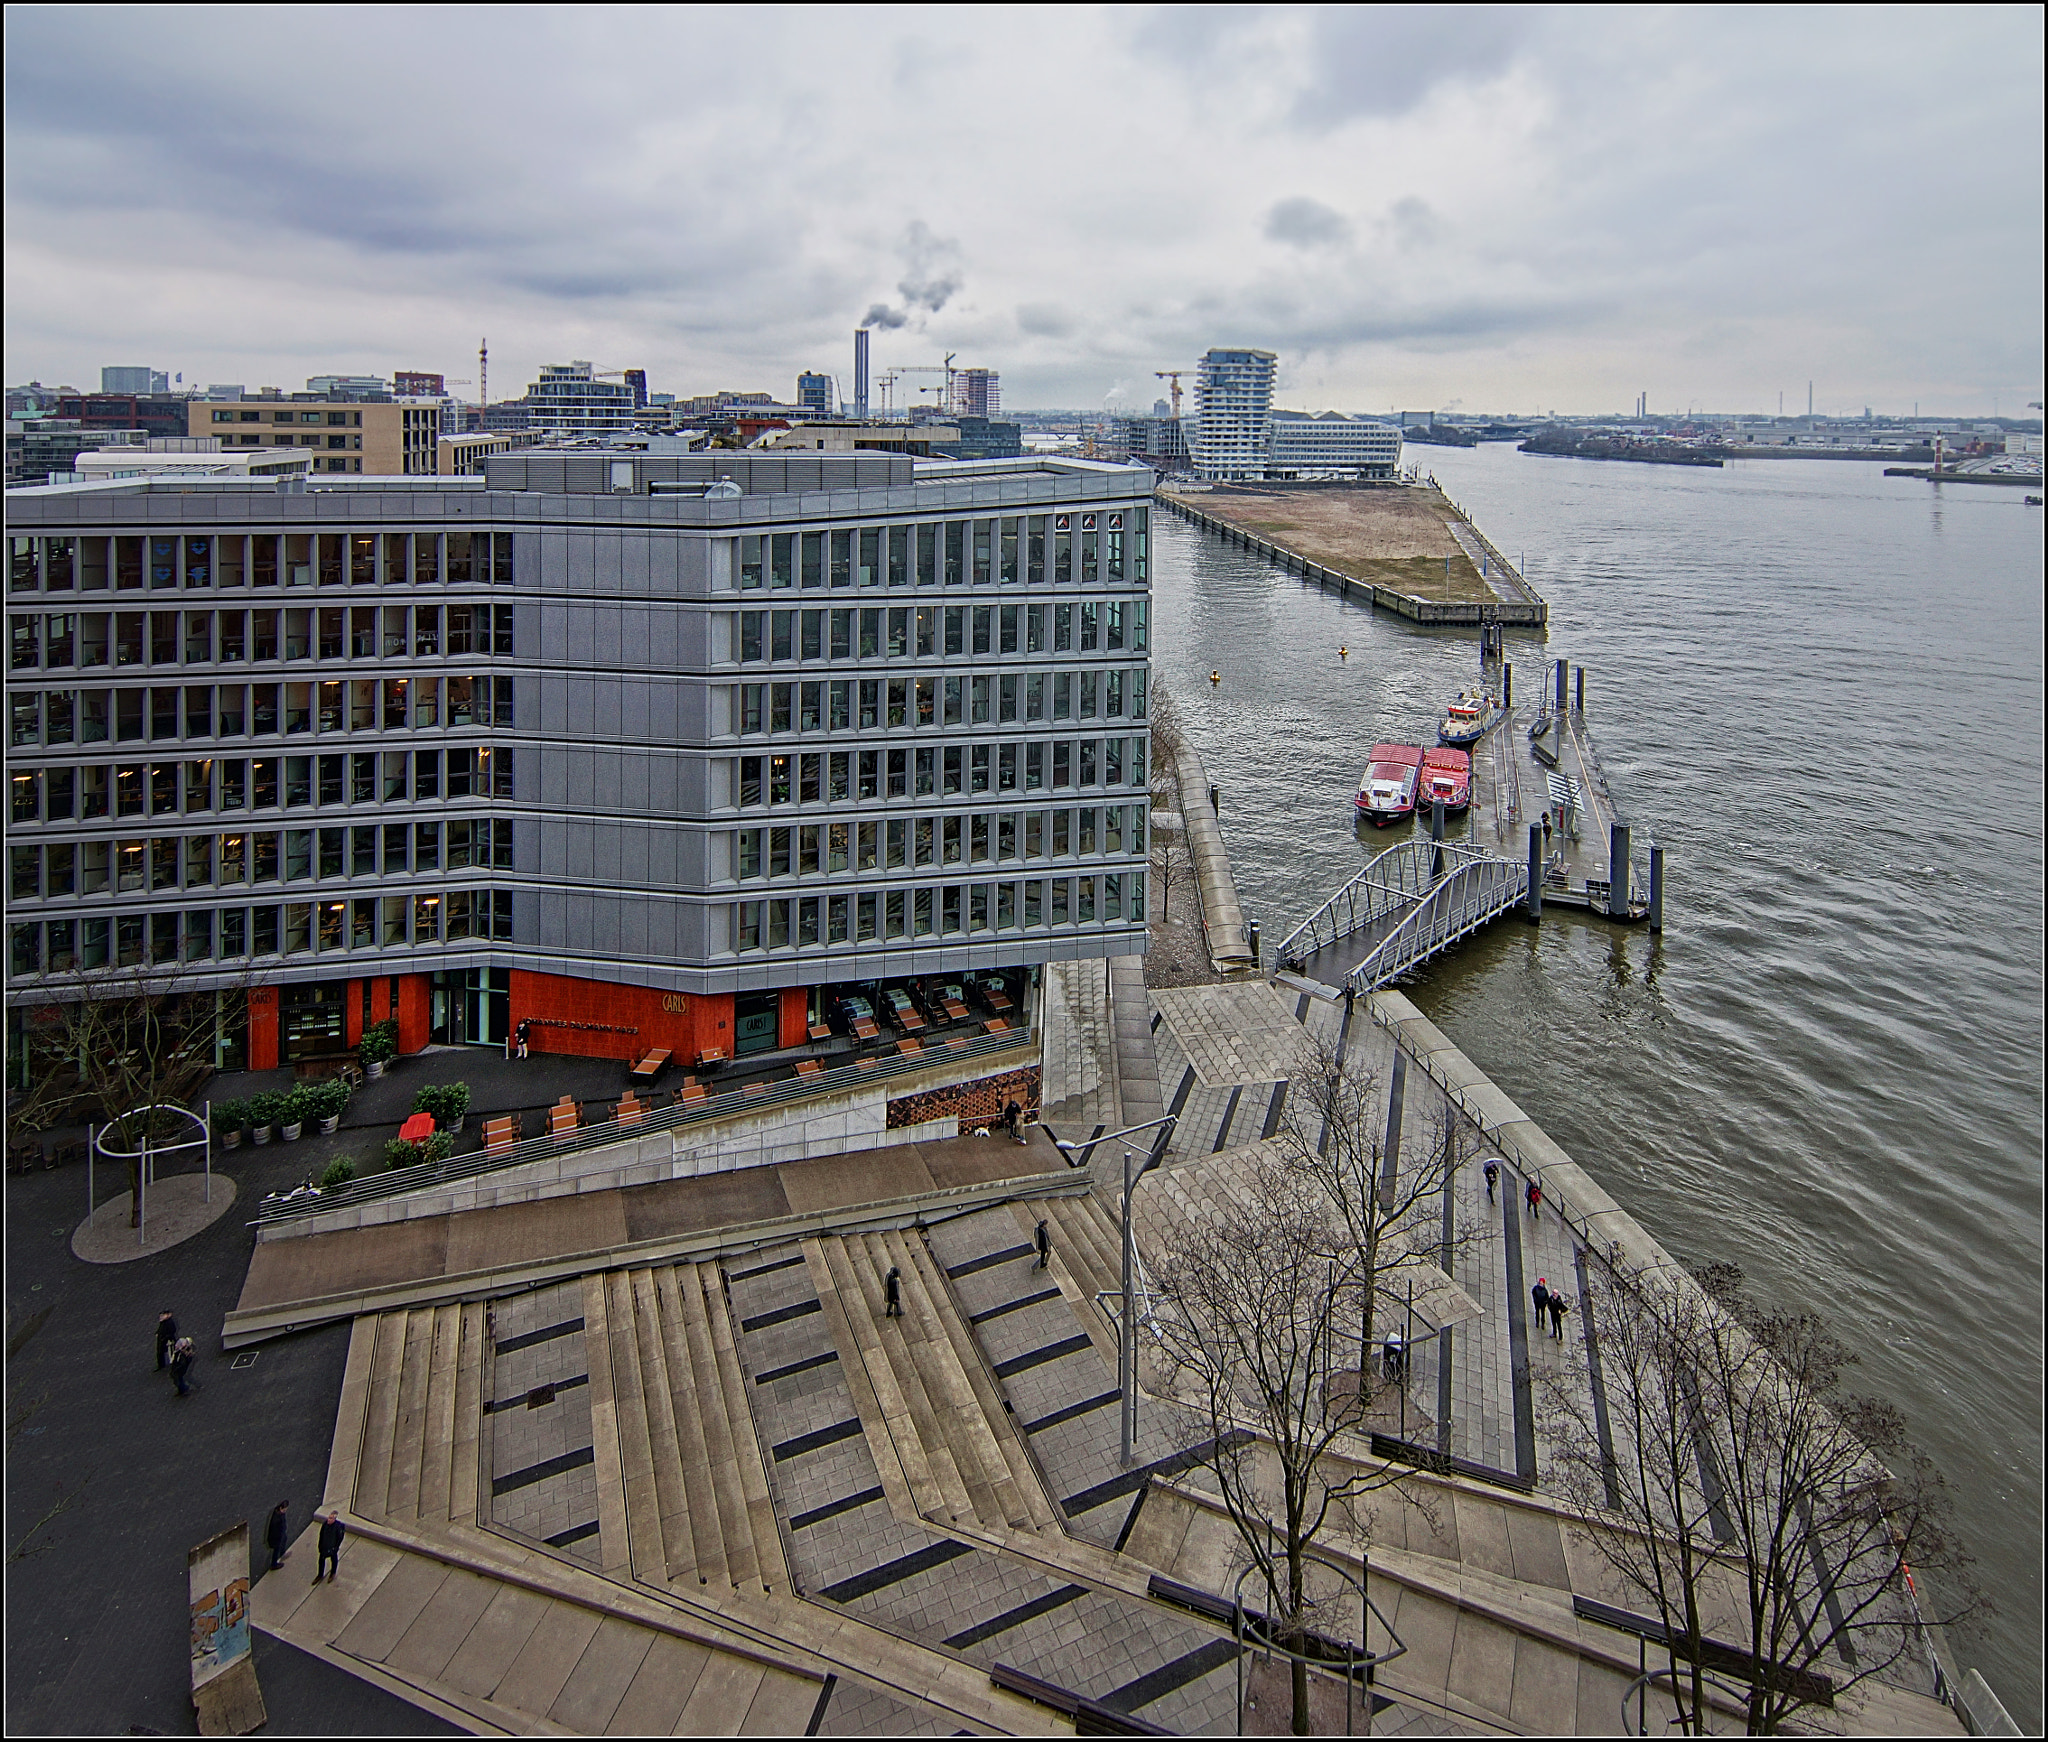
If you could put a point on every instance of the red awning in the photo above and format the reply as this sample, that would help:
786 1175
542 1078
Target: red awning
418 1126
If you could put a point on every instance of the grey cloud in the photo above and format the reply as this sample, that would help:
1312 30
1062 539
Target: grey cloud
1412 223
1385 60
1045 319
881 315
1307 223
932 278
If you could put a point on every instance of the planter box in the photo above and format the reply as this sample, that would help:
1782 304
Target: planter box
290 1133
374 1068
329 1126
259 1134
231 1139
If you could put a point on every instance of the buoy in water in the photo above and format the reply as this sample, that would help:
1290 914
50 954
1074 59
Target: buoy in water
1343 653
1215 677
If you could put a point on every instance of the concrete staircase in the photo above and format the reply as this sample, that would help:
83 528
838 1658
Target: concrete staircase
697 1505
1086 1242
418 1462
959 1457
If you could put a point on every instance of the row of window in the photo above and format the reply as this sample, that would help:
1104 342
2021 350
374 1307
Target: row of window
830 777
942 631
865 704
59 639
919 841
188 711
63 946
331 419
950 910
232 783
266 559
289 855
1088 547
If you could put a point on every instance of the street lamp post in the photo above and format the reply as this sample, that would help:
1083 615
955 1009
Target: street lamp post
1127 1341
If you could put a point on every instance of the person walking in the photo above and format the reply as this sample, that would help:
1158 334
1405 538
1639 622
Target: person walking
1540 1296
1043 1241
166 1338
1492 1179
892 1287
278 1532
1558 1308
332 1530
1013 1121
522 1034
181 1365
1533 1196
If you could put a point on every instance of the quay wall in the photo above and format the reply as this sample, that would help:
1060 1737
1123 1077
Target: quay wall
1222 916
1535 614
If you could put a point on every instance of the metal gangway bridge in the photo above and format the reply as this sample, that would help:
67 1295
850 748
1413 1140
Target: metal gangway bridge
1410 903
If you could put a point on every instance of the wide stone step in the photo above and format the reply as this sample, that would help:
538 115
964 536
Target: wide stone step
762 1555
722 1446
705 1563
380 1414
409 1433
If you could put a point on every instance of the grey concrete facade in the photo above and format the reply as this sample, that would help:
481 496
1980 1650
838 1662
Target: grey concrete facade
863 718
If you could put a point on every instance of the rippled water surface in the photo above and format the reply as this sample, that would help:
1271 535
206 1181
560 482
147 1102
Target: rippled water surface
1820 689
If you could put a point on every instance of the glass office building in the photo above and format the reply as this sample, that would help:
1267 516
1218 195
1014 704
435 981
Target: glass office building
648 751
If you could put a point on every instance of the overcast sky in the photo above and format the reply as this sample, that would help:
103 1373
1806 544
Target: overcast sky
1483 208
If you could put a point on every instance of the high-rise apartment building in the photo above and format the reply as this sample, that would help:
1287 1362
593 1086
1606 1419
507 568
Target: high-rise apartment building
1232 427
814 392
418 384
349 386
644 751
569 399
978 392
391 438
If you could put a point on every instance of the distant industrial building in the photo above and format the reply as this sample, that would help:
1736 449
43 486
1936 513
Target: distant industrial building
1157 441
137 380
1301 444
154 414
418 384
571 399
1234 414
388 439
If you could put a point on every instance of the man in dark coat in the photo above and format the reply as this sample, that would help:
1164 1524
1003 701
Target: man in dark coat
332 1530
1559 1306
166 1338
278 1533
181 1365
1540 1294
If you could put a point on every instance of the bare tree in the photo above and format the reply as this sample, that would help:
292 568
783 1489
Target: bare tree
1249 1322
1735 1473
113 1041
1334 1134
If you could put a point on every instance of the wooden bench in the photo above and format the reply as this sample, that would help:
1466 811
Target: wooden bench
820 1032
650 1065
501 1133
808 1067
563 1117
994 1025
711 1055
690 1092
631 1109
955 1009
864 1029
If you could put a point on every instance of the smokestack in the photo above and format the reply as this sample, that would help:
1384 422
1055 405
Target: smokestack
860 373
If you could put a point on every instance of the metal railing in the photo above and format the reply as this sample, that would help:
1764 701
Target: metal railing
1399 877
1478 891
724 1105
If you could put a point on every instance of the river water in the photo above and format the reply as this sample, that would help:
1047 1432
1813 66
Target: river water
1820 689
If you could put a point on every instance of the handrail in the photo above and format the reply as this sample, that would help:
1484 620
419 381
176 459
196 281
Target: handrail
1496 887
427 1175
1404 863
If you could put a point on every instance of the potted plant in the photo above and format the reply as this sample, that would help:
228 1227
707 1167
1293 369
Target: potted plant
326 1102
291 1112
261 1112
447 1102
338 1173
401 1152
227 1118
379 1048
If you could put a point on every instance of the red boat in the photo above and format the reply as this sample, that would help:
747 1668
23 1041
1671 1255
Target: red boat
1446 775
1387 792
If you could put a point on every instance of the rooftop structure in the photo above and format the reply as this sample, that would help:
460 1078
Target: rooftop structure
134 380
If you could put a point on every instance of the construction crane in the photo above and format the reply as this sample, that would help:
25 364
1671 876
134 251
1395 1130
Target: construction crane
1173 376
888 377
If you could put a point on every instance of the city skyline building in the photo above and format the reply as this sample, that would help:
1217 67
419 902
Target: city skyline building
1302 442
1229 435
377 438
643 750
570 399
978 392
134 380
814 392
